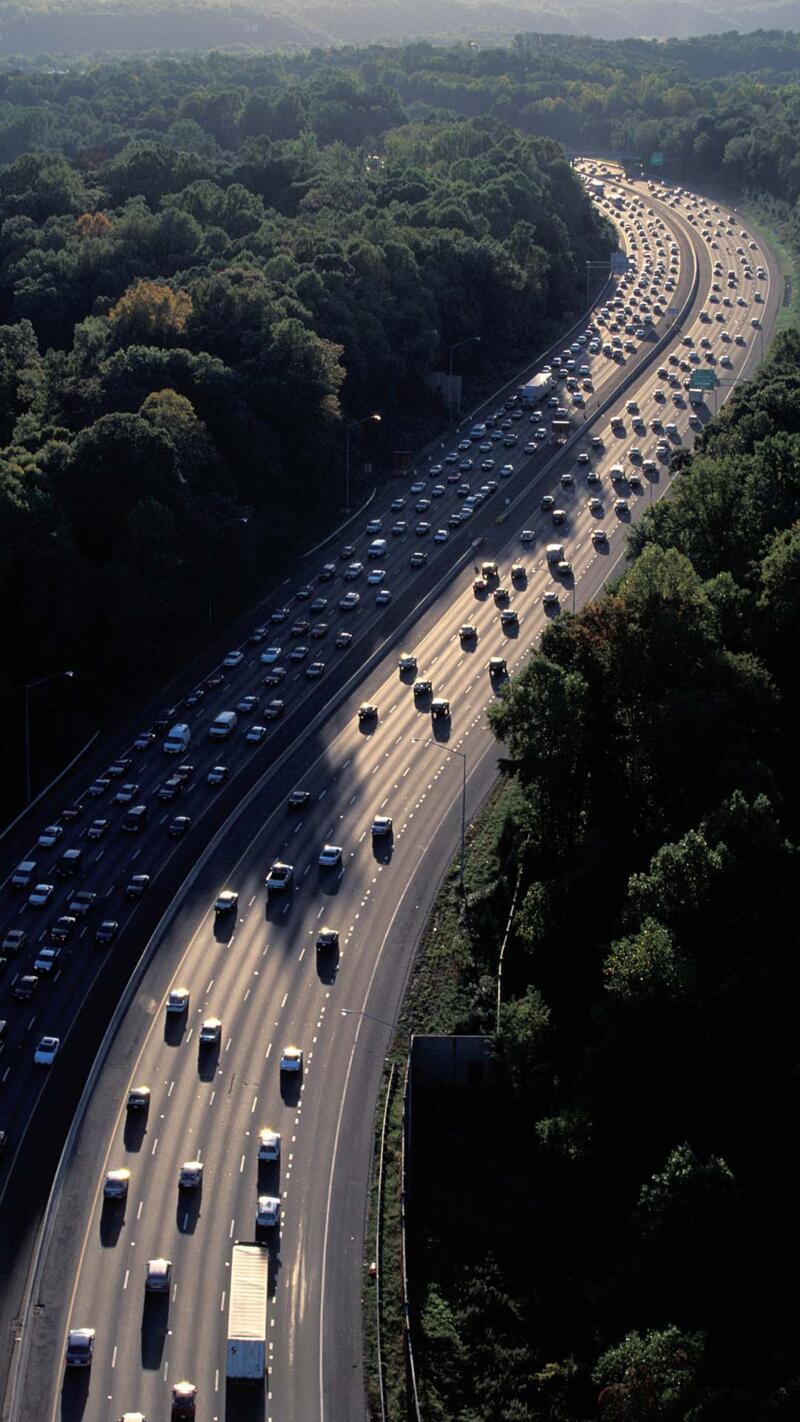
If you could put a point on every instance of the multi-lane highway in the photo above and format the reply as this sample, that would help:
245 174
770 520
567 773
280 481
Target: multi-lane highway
258 969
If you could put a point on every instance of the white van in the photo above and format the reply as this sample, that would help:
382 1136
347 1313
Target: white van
222 725
377 548
178 739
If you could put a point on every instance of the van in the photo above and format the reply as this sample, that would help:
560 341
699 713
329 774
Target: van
69 863
222 725
554 552
23 874
478 431
178 739
136 819
377 548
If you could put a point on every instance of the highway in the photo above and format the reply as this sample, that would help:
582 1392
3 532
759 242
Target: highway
260 972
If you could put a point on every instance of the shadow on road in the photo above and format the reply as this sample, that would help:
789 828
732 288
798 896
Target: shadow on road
207 1059
112 1218
328 965
174 1028
383 848
134 1130
187 1210
291 1082
74 1393
155 1318
441 730
224 927
245 1404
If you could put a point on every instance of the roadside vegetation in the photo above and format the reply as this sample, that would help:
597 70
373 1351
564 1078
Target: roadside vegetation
635 1172
205 272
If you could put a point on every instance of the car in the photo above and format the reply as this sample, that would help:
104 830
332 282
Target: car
273 710
417 560
279 877
25 987
407 662
190 1175
72 812
217 774
39 895
257 635
305 592
254 734
422 528
327 572
50 836
63 927
375 576
374 525
99 787
343 639
595 505
81 902
299 653
80 1347
527 535
47 1051
214 680
440 709
500 596
269 1145
299 627
126 793
106 931
14 940
350 601
115 1185
330 856
467 632
550 599
509 617
136 886
233 659
228 902
367 711
381 826
422 688
291 1059
195 697
318 605
177 1001
327 938
279 615
621 506
383 597
210 1031
97 829
270 655
46 960
268 1211
454 520
315 670
159 1276
599 536
441 535
498 666
298 799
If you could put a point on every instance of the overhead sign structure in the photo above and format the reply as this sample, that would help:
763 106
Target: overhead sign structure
619 263
657 160
703 379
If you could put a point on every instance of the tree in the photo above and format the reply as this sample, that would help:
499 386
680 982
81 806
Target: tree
650 1377
150 313
647 968
524 1042
541 718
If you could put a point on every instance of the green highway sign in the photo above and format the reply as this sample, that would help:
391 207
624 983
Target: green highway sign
703 380
656 160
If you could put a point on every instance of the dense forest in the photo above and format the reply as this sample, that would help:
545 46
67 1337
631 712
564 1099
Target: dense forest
199 286
37 27
638 1173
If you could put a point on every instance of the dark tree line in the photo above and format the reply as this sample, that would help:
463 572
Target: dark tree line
199 282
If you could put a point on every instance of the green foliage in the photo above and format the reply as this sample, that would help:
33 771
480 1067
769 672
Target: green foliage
647 968
646 1378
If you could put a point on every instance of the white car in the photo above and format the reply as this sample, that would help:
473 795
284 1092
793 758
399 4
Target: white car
381 826
330 856
227 902
39 895
268 1211
211 1031
47 1051
527 535
270 655
46 960
292 1059
407 662
353 570
350 601
233 659
375 576
190 1175
269 1145
50 836
178 1001
115 1185
254 734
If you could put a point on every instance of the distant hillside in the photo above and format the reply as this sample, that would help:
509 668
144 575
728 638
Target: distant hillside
37 27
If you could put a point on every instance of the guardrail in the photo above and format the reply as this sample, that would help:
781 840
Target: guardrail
412 1372
379 1240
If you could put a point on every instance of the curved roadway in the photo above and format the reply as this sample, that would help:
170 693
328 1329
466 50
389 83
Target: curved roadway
261 974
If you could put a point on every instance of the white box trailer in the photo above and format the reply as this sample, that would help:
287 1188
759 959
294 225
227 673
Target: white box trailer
534 392
247 1314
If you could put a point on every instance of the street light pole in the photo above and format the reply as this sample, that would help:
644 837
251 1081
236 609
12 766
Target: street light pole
351 425
450 750
29 687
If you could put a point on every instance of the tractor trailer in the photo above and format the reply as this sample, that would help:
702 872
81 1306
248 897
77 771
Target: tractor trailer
247 1314
535 391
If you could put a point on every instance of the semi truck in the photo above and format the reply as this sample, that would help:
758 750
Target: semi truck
535 391
247 1314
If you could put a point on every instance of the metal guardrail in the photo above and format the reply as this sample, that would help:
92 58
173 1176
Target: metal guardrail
412 1372
379 1241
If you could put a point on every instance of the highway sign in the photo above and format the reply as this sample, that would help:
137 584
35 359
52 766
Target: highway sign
703 379
656 160
619 263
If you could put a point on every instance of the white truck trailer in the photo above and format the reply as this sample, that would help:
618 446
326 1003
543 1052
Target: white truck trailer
536 390
247 1314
